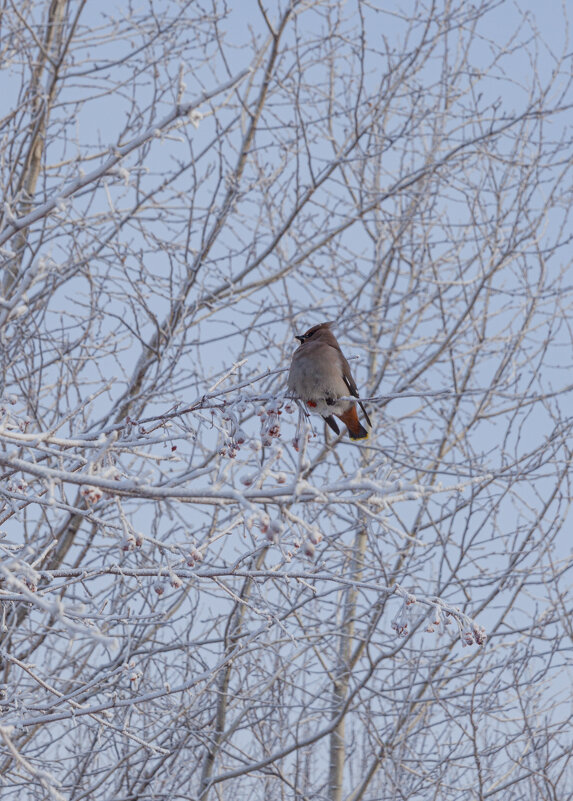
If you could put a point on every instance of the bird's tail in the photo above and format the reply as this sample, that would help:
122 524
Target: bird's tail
352 423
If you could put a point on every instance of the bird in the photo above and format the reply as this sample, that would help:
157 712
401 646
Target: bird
319 375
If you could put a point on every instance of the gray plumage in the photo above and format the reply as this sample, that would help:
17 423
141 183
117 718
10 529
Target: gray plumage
320 374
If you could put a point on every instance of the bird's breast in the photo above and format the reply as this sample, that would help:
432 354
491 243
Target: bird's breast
314 378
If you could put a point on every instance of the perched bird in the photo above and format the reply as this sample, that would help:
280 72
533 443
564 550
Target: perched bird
320 375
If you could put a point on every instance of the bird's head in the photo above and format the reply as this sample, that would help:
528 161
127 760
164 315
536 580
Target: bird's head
314 332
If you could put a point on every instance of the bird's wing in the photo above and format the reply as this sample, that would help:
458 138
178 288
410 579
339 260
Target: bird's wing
353 389
349 381
332 423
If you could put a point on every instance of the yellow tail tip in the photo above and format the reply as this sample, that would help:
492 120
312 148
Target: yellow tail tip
362 435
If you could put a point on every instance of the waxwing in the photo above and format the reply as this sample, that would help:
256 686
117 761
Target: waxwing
319 375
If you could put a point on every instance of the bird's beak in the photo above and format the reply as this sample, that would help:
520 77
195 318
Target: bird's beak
300 339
